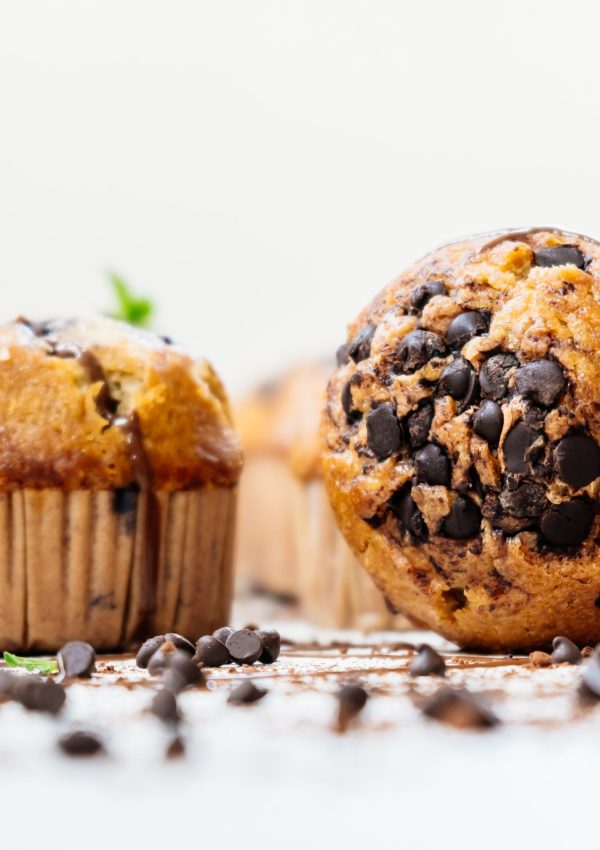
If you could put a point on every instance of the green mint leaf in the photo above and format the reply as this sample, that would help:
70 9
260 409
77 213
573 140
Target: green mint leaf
130 308
32 664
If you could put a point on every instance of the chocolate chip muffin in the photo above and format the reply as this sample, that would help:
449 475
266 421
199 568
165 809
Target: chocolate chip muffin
461 439
118 472
289 545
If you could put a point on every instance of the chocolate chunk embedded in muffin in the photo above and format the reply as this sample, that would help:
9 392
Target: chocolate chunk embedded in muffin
490 496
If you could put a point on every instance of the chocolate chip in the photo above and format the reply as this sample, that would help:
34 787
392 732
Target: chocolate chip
459 708
223 634
244 646
38 694
418 424
464 519
541 380
427 663
495 373
182 671
180 642
590 677
524 499
175 748
459 381
211 652
352 698
577 460
423 293
147 650
516 446
432 465
560 255
81 743
161 658
77 659
488 421
271 645
465 326
164 706
404 508
246 694
383 431
568 523
417 348
360 347
352 415
342 355
565 651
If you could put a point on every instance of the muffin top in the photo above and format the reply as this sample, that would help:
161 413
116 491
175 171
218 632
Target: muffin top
281 418
462 438
99 404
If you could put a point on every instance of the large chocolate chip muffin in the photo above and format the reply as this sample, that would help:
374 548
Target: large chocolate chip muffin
118 472
461 439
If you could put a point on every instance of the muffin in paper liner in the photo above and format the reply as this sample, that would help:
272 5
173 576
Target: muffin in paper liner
289 545
118 472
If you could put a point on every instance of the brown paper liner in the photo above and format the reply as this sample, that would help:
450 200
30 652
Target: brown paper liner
335 590
73 567
266 553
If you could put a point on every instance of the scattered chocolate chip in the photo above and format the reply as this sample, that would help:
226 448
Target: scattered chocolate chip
211 652
427 663
459 708
577 460
182 671
164 706
417 348
246 693
432 465
464 327
147 650
352 698
564 651
425 292
494 375
352 415
404 508
161 658
459 381
488 421
540 659
223 634
464 519
175 748
383 431
81 743
568 523
77 659
418 424
360 347
180 642
559 255
541 380
271 645
244 646
523 499
39 694
516 446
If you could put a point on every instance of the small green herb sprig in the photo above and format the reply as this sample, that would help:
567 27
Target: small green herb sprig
130 308
35 665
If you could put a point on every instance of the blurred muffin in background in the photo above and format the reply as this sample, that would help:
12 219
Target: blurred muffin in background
118 473
288 543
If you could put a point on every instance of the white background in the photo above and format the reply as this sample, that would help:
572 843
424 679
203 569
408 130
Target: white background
263 168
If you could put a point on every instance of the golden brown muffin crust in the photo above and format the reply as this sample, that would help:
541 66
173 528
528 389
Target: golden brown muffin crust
472 522
99 404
